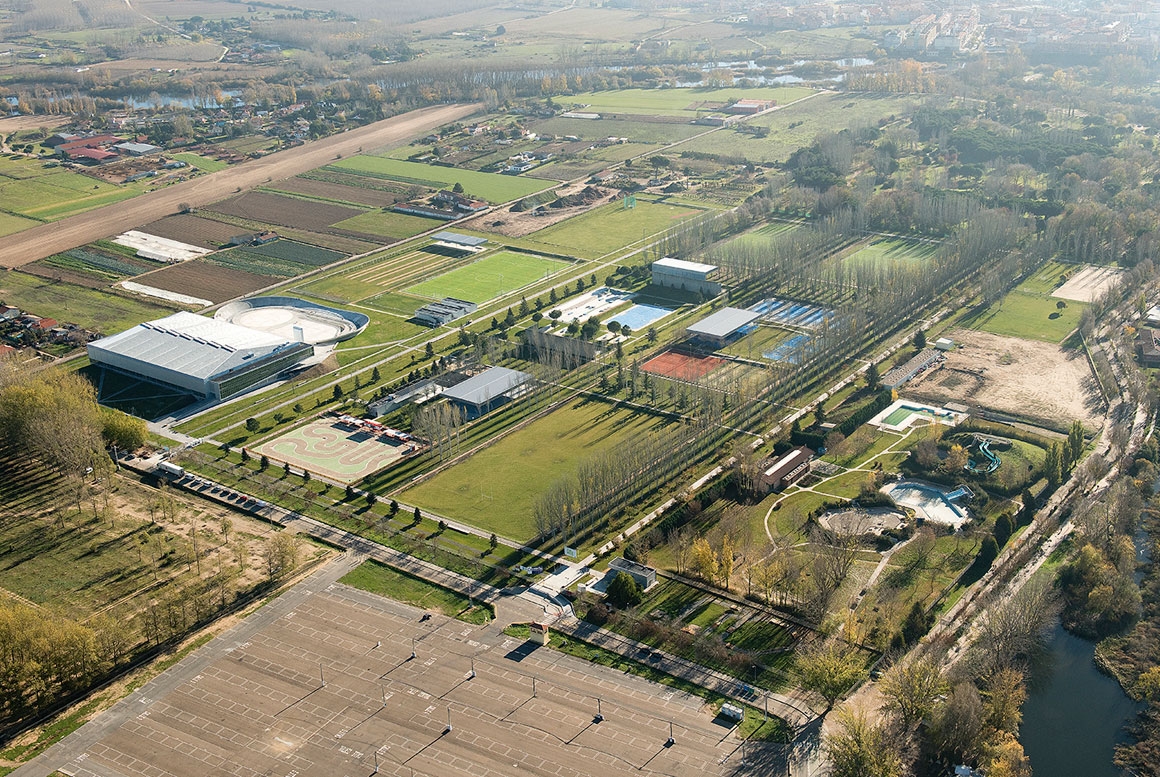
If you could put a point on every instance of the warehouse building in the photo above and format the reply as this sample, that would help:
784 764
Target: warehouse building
686 276
204 356
444 311
490 388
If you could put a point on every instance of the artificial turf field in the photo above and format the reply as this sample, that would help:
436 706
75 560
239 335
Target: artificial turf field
488 278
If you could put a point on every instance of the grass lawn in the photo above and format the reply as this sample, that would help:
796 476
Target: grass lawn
385 581
496 488
395 302
611 228
339 288
1047 278
487 186
1029 316
637 132
27 188
200 162
676 102
384 328
488 278
394 226
891 252
763 340
91 308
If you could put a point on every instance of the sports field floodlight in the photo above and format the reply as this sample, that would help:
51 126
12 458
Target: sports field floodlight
671 741
448 729
533 686
321 677
599 712
376 771
412 648
472 675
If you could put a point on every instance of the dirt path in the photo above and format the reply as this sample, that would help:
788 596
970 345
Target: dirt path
49 239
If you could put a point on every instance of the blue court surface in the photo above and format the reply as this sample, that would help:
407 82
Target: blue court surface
780 311
790 351
639 316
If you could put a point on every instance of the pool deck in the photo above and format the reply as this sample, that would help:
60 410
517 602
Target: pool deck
918 412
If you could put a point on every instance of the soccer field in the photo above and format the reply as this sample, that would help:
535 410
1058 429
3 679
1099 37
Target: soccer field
488 278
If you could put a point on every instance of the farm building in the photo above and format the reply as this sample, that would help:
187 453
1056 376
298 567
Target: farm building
944 344
724 325
444 311
749 107
89 155
899 375
481 392
644 576
687 276
201 355
786 470
136 149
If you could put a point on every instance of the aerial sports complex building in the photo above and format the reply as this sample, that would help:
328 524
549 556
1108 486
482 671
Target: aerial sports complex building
204 356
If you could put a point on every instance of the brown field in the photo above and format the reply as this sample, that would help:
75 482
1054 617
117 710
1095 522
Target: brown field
671 364
285 211
1089 284
337 191
68 276
48 239
1022 378
187 228
206 281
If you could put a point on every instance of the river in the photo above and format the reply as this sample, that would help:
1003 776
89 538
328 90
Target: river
1074 715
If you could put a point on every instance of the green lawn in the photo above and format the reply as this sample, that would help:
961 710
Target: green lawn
1029 316
200 162
891 252
675 102
28 188
488 278
488 186
91 308
611 228
496 488
393 226
385 581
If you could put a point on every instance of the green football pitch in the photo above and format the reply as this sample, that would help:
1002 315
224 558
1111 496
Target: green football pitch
489 277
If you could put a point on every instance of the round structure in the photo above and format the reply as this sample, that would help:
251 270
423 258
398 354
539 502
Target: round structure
294 319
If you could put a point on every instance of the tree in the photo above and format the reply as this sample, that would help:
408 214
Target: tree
245 456
253 425
651 334
988 552
820 413
1053 466
703 561
912 690
417 516
873 379
920 339
376 376
1003 697
457 188
264 463
624 591
394 508
299 409
1075 441
860 747
1003 529
371 498
725 564
286 469
958 727
122 430
829 668
493 542
337 391
280 555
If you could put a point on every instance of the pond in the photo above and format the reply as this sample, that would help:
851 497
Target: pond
1074 715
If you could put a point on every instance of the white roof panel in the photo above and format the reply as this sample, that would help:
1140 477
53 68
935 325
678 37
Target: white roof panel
724 322
681 264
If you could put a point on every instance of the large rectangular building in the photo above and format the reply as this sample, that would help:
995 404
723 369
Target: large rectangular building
686 276
204 356
720 327
481 392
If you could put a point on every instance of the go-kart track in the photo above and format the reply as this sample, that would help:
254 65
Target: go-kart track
327 448
321 682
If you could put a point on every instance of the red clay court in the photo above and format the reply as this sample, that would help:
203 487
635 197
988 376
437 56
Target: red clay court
680 366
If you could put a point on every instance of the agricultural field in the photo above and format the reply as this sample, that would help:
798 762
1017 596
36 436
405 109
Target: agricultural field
10 223
390 226
293 251
195 230
29 189
94 309
676 102
488 186
612 227
490 277
281 258
203 163
204 280
797 125
265 208
496 487
336 192
97 263
636 130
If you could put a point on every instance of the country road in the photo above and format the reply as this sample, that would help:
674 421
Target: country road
48 239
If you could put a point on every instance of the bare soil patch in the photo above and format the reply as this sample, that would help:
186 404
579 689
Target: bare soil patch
1089 283
194 230
519 224
1022 378
205 280
374 198
285 211
37 243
